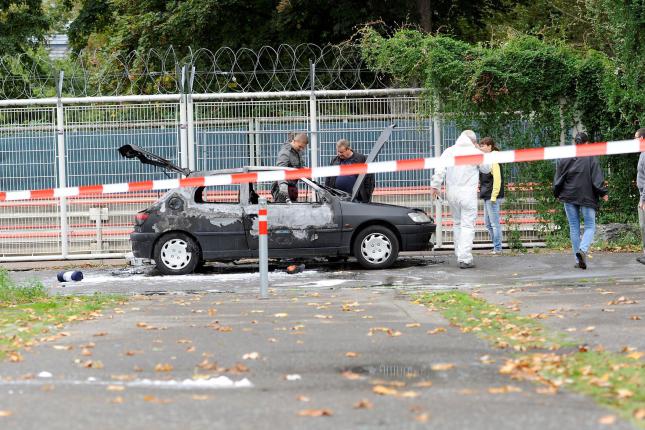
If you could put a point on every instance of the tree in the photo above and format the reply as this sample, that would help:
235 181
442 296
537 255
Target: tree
127 25
22 25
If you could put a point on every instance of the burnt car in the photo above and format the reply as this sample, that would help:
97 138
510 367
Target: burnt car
187 227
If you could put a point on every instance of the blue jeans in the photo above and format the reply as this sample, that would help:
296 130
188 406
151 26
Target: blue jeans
589 216
491 219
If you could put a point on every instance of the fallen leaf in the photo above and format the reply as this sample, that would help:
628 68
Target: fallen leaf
99 334
607 419
131 353
302 398
624 393
251 356
200 397
348 374
163 367
590 328
351 354
315 413
505 389
86 352
486 359
184 341
413 325
155 399
635 318
437 330
293 377
123 377
142 325
423 384
636 355
639 414
15 357
324 317
439 367
384 391
115 388
548 390
62 347
190 349
422 418
117 400
281 315
6 413
89 364
363 404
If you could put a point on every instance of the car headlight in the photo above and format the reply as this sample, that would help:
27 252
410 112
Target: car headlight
419 217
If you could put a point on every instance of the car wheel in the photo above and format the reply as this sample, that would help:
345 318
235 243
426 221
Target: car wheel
176 254
376 247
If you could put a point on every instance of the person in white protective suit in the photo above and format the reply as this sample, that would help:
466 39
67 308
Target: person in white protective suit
461 192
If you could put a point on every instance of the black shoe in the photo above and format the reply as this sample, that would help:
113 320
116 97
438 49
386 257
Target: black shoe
641 259
582 259
463 265
577 266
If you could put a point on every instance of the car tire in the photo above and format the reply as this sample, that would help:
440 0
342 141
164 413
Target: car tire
376 247
176 254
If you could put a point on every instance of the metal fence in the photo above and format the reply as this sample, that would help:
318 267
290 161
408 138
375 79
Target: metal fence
71 142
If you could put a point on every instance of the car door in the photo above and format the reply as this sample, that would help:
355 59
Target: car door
217 222
303 225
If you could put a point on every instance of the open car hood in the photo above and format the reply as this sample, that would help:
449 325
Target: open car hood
133 151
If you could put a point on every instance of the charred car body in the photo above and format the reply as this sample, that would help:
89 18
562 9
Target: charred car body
189 226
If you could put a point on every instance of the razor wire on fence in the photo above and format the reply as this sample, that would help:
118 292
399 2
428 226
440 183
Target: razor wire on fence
98 73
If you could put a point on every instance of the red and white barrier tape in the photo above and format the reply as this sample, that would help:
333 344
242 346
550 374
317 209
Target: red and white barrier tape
511 156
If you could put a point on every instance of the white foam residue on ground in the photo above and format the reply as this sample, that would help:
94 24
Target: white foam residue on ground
219 382
215 277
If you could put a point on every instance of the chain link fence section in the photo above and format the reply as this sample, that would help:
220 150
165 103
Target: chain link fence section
93 133
28 159
227 134
97 73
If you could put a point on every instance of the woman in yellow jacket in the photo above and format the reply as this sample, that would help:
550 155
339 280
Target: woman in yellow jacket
491 190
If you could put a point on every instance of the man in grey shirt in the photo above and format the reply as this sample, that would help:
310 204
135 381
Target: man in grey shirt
290 155
640 183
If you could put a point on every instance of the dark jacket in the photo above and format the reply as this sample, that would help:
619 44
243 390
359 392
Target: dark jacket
367 188
579 181
486 185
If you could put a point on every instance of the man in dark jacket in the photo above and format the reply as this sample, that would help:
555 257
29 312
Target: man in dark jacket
290 155
345 155
579 184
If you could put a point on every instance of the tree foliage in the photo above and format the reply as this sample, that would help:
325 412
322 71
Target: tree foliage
145 24
524 92
22 25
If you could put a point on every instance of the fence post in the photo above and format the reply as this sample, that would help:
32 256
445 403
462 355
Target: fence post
437 126
62 166
183 127
190 116
263 247
313 117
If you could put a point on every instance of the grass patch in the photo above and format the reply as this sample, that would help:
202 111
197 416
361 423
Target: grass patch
28 315
501 327
611 379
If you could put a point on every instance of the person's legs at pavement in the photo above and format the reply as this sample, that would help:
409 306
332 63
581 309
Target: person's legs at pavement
493 220
467 234
455 210
487 221
573 217
641 221
589 216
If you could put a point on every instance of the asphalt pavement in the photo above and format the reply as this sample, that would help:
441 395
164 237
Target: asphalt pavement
336 341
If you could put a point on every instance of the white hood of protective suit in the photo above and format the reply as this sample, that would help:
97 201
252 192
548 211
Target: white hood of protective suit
460 176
